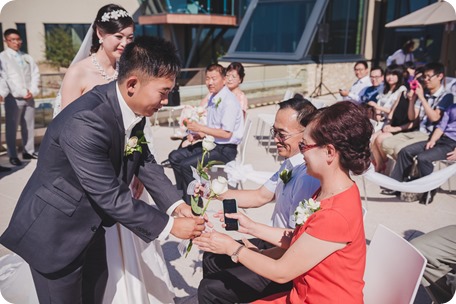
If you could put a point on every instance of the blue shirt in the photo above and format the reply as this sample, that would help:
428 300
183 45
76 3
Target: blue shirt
224 112
439 100
371 93
448 122
287 196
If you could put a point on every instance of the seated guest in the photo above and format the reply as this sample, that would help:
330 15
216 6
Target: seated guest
325 255
363 82
225 123
234 77
426 106
441 142
370 93
228 282
439 248
391 108
403 54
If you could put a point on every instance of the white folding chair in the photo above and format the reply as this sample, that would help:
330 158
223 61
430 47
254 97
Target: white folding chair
240 157
393 269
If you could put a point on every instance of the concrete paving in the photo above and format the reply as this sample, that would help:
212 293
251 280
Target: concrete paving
406 219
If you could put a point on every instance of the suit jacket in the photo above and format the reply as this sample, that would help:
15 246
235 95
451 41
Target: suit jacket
20 79
82 182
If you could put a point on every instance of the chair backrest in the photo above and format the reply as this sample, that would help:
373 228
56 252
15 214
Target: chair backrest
364 213
243 145
393 269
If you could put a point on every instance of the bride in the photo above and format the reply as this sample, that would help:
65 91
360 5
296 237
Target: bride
137 270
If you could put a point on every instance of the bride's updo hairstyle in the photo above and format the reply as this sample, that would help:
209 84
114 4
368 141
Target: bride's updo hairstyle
345 126
110 19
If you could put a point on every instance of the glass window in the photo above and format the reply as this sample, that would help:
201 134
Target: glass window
21 28
276 30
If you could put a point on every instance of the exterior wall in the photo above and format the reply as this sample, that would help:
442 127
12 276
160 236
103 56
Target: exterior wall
34 13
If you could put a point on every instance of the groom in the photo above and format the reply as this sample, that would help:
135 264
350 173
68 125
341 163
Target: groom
82 177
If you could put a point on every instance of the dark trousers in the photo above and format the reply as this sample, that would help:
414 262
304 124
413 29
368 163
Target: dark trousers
82 282
425 157
227 282
183 159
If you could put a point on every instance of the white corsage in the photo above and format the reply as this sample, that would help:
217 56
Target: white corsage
134 144
305 209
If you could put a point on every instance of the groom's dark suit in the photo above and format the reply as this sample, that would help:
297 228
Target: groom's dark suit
82 182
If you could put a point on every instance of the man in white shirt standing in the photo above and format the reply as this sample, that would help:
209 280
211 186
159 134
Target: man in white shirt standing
227 282
363 82
4 91
21 70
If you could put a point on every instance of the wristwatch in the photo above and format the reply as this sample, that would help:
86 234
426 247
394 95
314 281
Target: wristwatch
235 255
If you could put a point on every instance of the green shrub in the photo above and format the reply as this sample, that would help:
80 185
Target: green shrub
59 47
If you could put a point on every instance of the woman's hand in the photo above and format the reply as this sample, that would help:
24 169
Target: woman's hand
246 225
216 242
451 155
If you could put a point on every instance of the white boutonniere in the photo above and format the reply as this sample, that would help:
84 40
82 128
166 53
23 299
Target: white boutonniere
217 102
285 176
305 209
134 144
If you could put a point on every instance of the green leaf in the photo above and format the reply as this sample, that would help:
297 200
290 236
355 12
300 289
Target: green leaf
204 175
213 162
194 204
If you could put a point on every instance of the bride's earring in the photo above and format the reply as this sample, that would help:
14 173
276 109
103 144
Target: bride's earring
100 40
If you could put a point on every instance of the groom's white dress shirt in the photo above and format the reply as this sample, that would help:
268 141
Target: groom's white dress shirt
130 119
287 196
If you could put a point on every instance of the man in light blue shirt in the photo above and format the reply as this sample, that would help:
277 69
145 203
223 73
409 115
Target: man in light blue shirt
288 186
225 122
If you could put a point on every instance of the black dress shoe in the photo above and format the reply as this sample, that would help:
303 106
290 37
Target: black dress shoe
4 169
390 192
15 161
29 156
423 198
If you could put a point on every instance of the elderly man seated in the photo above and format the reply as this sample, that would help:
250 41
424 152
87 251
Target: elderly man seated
225 122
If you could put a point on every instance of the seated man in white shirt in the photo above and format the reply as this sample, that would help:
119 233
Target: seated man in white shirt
225 122
363 82
227 282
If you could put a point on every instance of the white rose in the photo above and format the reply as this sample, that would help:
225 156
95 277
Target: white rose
208 143
200 110
133 141
314 205
219 185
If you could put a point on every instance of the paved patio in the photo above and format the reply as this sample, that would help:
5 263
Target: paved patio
407 219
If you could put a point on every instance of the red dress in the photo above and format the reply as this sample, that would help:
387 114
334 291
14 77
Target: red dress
339 277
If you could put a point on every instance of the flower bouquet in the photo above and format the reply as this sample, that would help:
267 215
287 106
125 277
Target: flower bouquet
202 186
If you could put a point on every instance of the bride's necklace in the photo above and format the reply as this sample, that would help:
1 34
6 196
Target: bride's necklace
102 71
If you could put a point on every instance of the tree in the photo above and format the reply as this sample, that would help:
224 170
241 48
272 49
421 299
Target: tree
59 47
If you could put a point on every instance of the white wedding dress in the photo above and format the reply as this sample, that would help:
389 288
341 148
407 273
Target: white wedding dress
137 270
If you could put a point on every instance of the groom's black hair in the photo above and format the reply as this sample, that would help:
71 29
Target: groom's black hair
149 57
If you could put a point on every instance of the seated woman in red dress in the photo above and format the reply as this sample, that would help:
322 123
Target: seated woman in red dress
325 254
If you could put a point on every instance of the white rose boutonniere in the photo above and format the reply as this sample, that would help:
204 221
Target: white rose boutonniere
217 102
285 176
134 144
209 143
305 209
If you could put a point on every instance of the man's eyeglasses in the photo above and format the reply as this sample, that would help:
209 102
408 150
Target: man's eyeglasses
282 137
303 147
376 77
429 77
14 40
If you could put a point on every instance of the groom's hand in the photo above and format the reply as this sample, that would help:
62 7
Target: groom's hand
187 228
183 210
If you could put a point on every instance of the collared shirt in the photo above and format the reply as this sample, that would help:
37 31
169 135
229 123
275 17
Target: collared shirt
358 87
399 57
287 196
29 73
130 119
224 112
440 100
448 122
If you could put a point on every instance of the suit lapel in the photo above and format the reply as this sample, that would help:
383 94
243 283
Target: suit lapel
130 163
